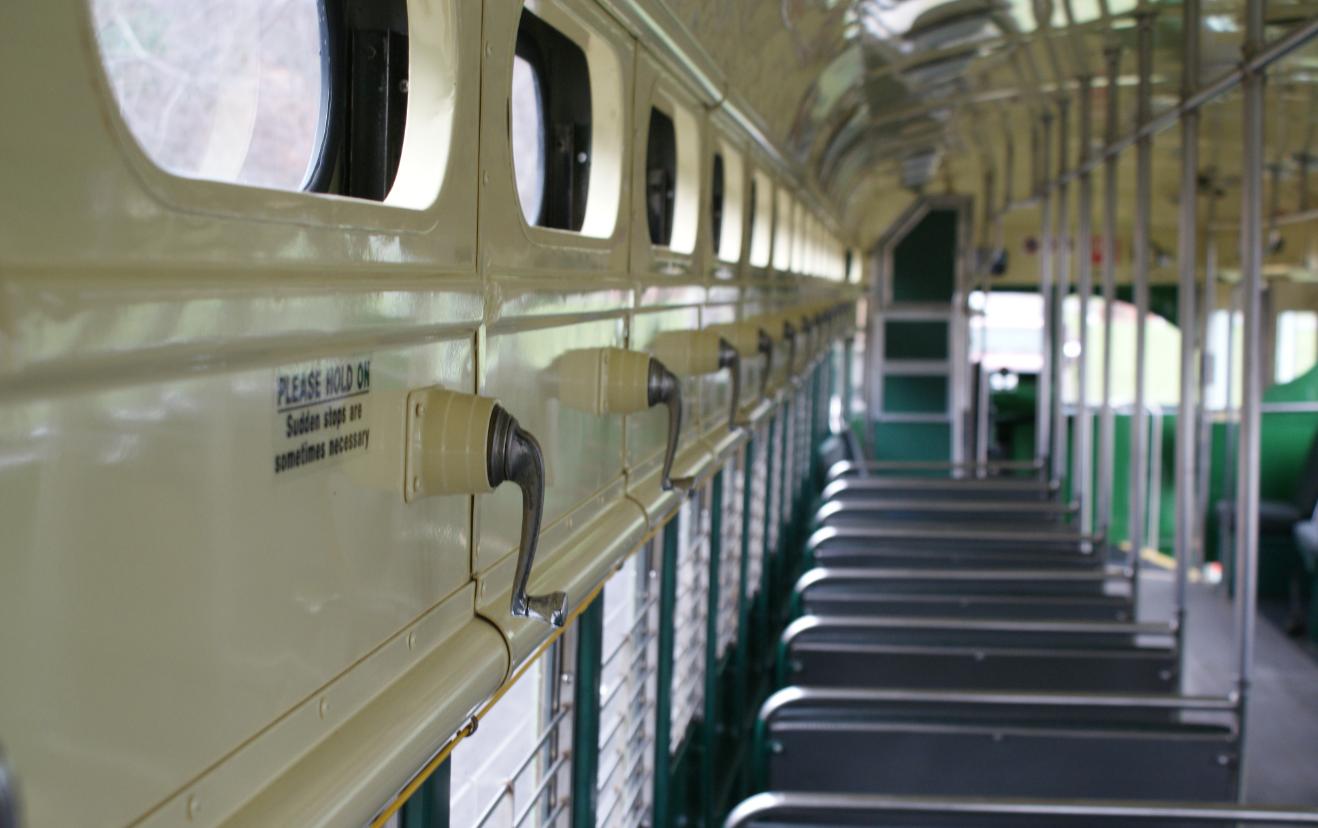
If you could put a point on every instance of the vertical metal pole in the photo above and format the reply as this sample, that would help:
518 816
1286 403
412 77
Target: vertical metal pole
1103 508
1085 286
1043 404
1139 436
1062 276
982 427
1186 418
1205 421
981 377
1251 277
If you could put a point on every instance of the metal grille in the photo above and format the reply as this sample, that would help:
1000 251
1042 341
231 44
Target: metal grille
776 490
730 558
801 441
515 770
759 491
690 613
628 693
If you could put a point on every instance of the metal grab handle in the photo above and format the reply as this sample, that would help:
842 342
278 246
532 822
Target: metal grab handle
730 359
765 347
789 333
663 387
514 455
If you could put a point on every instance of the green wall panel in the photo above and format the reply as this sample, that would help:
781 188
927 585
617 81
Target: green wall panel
915 340
905 394
924 263
912 441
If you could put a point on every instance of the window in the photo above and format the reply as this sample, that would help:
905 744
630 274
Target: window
549 125
728 189
515 770
782 236
716 203
229 90
730 554
294 95
690 615
761 214
1297 344
629 657
759 484
660 177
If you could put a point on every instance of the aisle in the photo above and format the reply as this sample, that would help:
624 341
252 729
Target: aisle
1282 738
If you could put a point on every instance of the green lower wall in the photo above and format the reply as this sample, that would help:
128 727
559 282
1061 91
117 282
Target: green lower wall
912 441
1284 446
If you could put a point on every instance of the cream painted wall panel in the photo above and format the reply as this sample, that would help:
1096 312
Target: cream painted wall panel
164 599
156 556
583 452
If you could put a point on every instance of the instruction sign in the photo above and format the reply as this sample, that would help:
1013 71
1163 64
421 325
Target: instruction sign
322 413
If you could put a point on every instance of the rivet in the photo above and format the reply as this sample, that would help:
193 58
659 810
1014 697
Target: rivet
411 640
323 707
485 178
418 409
194 806
416 484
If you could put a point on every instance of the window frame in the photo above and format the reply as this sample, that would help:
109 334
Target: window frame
446 103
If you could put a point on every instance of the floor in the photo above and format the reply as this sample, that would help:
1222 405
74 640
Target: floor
1281 736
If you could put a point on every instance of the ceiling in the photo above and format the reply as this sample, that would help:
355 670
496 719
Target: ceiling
883 99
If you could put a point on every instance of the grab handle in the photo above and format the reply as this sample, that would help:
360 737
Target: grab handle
693 353
467 444
619 381
730 359
514 455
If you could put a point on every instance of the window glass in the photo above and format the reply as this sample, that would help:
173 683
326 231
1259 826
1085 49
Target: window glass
690 614
550 125
730 553
517 764
528 138
716 203
660 177
629 658
1297 344
230 90
761 212
1007 330
782 234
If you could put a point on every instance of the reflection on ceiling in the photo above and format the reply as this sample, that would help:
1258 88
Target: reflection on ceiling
884 99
